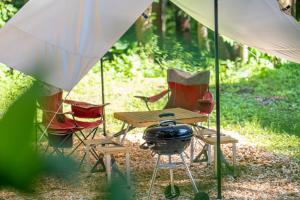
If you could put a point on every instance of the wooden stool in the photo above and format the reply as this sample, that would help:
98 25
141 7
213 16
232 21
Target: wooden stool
212 141
107 147
209 137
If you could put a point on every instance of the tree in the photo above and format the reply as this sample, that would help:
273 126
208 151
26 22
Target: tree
143 26
202 36
183 26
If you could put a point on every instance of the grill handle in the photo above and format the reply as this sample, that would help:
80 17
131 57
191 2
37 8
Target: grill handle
145 146
166 115
167 122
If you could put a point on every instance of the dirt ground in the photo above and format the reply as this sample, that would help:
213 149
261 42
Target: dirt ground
260 175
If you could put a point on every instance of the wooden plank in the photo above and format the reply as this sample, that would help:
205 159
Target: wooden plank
148 118
224 140
101 141
113 149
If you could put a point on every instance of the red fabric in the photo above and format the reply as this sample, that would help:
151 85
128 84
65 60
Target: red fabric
87 125
70 125
186 96
87 111
62 124
50 103
158 96
207 106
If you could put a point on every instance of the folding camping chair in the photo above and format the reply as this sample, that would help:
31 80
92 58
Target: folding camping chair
187 91
61 128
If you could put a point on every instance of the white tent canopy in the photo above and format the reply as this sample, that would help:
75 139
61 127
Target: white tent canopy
69 36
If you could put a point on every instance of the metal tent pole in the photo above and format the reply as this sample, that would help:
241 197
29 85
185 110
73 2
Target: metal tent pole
103 97
218 126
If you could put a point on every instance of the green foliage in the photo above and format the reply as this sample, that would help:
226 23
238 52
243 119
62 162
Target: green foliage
7 10
20 163
12 84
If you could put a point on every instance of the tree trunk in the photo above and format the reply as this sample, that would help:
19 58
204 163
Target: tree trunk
160 20
202 34
183 26
244 53
143 26
289 6
224 51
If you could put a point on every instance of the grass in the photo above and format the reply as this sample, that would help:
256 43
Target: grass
265 107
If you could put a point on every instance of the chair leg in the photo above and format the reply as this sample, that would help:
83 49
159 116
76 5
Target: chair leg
153 177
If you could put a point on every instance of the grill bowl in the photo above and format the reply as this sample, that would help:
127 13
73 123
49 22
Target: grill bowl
168 138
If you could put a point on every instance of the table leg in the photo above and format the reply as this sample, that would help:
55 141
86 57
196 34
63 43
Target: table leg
87 155
125 133
234 157
128 168
192 150
208 154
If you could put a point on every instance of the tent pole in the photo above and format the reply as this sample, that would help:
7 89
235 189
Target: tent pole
218 122
103 97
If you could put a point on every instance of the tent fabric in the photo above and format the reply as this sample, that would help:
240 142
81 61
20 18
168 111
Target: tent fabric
256 23
63 39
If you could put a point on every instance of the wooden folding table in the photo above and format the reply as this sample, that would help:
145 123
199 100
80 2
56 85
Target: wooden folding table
143 119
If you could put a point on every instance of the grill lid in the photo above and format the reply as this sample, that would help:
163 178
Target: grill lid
167 130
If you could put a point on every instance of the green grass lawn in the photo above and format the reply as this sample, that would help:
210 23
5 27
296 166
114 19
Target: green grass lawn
259 102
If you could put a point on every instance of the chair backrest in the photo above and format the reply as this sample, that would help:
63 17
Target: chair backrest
186 89
52 104
87 111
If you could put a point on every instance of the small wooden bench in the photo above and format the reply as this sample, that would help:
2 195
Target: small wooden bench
108 147
209 137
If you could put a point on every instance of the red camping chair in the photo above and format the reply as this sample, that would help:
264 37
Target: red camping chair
188 91
61 128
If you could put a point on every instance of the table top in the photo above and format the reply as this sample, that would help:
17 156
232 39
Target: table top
148 118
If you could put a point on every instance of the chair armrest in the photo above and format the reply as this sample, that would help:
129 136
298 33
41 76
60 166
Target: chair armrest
84 104
206 105
58 113
204 101
153 98
143 98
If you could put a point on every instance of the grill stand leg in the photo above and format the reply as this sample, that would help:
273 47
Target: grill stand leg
171 177
189 174
153 177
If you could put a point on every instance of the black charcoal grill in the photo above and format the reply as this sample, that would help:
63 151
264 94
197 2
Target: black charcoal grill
166 139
